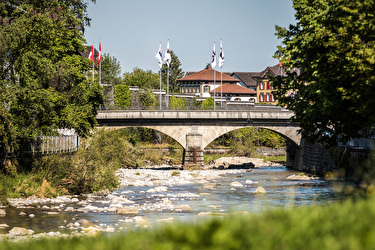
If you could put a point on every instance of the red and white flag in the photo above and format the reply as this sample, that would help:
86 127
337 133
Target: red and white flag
100 55
91 55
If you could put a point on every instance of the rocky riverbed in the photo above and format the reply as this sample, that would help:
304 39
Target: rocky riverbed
141 193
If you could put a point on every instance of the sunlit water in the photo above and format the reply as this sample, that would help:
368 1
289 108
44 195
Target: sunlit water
280 193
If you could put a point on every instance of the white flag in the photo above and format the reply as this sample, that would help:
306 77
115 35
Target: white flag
221 56
159 56
167 55
213 59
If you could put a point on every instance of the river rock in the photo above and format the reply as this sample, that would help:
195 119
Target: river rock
236 184
22 214
3 226
19 231
2 213
209 185
32 216
69 209
249 182
260 190
183 208
84 222
299 178
128 210
205 194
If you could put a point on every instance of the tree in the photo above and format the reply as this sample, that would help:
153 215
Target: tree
143 79
208 103
177 103
110 70
175 72
122 96
148 99
110 77
333 44
43 87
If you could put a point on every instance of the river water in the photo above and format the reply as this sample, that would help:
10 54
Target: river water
164 205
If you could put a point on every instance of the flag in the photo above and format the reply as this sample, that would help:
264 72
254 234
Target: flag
280 63
167 55
159 56
91 55
100 54
221 56
213 60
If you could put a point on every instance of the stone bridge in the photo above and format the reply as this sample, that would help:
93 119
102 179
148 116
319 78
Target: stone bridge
194 130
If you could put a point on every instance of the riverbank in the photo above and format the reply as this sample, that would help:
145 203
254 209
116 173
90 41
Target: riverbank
144 198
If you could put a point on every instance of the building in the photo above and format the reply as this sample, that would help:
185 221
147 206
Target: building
247 79
265 88
201 83
234 92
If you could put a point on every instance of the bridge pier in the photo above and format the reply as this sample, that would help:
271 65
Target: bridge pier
193 153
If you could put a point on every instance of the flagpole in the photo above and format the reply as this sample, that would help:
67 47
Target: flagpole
214 90
100 64
221 84
160 88
167 104
93 70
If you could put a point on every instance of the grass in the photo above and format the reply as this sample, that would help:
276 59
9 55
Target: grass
345 225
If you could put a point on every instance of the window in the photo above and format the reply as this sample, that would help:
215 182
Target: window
261 85
206 88
268 97
261 97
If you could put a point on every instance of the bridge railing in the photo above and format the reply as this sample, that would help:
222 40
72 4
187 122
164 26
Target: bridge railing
217 108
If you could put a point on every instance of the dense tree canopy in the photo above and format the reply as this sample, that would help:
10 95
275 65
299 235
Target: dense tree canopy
333 44
142 78
41 70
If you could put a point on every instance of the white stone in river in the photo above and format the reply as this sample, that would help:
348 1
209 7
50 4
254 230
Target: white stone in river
249 182
69 209
236 184
161 189
32 216
260 190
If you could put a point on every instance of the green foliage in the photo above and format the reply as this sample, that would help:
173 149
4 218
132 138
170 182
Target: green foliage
175 72
208 103
333 44
249 138
122 96
110 70
337 226
41 77
148 99
143 79
177 103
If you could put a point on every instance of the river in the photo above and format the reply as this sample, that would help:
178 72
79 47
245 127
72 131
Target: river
163 196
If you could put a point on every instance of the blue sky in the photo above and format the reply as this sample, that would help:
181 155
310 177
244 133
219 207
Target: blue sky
131 31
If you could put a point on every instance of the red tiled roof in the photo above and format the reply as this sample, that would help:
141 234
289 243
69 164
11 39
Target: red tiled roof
207 75
234 89
277 71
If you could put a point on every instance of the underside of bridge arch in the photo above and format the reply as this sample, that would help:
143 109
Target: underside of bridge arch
194 138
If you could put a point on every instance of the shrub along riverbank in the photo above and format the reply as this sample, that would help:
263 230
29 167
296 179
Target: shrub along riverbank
346 225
